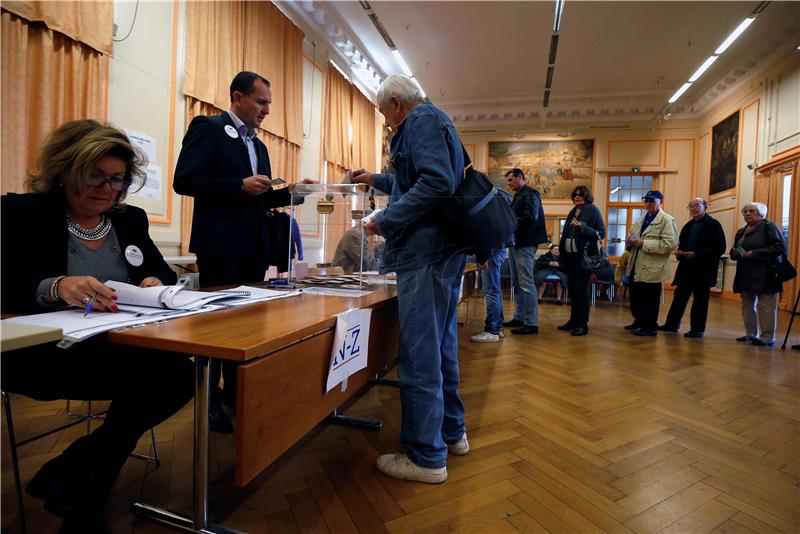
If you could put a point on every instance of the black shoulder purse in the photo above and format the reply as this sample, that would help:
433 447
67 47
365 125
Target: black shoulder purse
594 263
780 266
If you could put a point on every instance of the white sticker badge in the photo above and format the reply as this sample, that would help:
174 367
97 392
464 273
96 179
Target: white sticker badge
231 131
134 256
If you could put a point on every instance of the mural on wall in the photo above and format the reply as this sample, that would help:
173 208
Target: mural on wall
554 168
724 154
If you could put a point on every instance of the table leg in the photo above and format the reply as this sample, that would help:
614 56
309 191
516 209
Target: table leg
199 522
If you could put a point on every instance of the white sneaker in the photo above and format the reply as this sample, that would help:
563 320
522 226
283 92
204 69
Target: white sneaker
485 337
460 447
400 466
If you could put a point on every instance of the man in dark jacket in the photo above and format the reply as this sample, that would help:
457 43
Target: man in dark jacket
701 243
527 206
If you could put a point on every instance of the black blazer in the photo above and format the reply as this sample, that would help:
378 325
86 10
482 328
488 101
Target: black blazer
227 221
709 247
756 275
35 242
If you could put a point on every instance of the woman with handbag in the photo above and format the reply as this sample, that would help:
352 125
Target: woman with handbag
580 250
756 249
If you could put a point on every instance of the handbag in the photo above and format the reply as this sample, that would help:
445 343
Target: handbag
477 216
782 269
596 263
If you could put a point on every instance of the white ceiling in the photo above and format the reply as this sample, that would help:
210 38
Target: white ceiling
485 62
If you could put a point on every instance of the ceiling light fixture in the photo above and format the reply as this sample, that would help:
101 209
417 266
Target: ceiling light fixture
734 35
402 63
558 15
700 70
679 92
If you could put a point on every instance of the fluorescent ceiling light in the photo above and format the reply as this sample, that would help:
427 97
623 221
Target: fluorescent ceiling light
679 92
402 63
421 90
699 72
558 15
734 35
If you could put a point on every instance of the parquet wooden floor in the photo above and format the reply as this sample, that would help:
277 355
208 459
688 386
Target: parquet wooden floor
607 432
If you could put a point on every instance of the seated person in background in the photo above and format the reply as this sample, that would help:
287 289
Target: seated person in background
620 278
348 252
546 265
59 243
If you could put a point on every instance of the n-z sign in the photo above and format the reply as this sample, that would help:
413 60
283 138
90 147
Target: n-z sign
350 346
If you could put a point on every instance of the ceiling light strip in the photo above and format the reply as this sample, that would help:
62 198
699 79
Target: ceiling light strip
734 35
559 14
702 68
679 92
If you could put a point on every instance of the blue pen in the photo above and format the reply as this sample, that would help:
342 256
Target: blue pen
90 306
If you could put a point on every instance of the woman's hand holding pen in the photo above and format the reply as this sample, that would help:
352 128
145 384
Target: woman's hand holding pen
80 290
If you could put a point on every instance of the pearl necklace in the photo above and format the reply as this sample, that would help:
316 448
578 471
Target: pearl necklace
89 234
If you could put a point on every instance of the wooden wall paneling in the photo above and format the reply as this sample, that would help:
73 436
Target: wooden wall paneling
634 153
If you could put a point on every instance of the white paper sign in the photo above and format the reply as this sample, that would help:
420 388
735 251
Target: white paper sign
152 189
145 142
350 344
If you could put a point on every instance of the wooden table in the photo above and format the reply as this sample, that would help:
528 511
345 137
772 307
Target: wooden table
285 347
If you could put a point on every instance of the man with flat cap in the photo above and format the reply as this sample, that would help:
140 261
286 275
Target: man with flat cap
652 239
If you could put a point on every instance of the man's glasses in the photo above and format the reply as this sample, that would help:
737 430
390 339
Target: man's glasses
693 207
116 182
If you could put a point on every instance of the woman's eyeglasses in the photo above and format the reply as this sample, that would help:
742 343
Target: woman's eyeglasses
116 182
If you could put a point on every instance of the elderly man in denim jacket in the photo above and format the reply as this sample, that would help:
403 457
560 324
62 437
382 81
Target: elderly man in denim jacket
428 160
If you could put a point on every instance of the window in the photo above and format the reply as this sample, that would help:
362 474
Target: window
786 207
624 206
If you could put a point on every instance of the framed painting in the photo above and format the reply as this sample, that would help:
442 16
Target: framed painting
724 156
554 168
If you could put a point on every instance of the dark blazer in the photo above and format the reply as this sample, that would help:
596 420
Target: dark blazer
755 275
709 247
35 242
527 206
226 221
586 237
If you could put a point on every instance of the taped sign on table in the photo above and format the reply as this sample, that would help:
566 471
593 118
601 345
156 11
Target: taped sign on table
350 344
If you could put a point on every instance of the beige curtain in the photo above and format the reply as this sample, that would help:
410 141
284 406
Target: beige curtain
364 147
47 79
768 189
88 22
338 118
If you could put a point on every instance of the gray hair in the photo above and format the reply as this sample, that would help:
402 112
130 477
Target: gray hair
401 87
758 206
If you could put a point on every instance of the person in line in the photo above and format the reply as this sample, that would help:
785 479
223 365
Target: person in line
652 239
428 160
530 232
700 245
348 252
583 233
60 243
755 246
549 264
493 291
226 168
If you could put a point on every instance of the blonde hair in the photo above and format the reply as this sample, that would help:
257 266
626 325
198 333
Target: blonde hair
71 150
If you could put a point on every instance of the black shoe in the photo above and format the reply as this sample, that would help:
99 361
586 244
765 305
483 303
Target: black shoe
692 333
759 343
560 302
580 331
65 487
525 330
218 421
633 326
540 301
745 339
666 328
567 327
514 322
644 332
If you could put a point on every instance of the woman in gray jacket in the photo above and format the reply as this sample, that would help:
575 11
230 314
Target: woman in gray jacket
755 246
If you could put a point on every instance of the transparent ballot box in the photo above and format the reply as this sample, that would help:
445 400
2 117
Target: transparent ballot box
336 252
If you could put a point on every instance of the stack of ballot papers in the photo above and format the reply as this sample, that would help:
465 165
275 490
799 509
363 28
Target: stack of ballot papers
140 306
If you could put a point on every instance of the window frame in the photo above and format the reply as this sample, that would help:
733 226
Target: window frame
630 206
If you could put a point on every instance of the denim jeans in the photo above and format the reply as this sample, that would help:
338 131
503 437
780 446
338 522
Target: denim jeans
490 279
432 411
524 287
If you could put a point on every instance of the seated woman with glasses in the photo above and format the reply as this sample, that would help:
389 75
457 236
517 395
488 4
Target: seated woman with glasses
60 243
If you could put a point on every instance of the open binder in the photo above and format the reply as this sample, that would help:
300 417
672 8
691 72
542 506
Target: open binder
169 297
